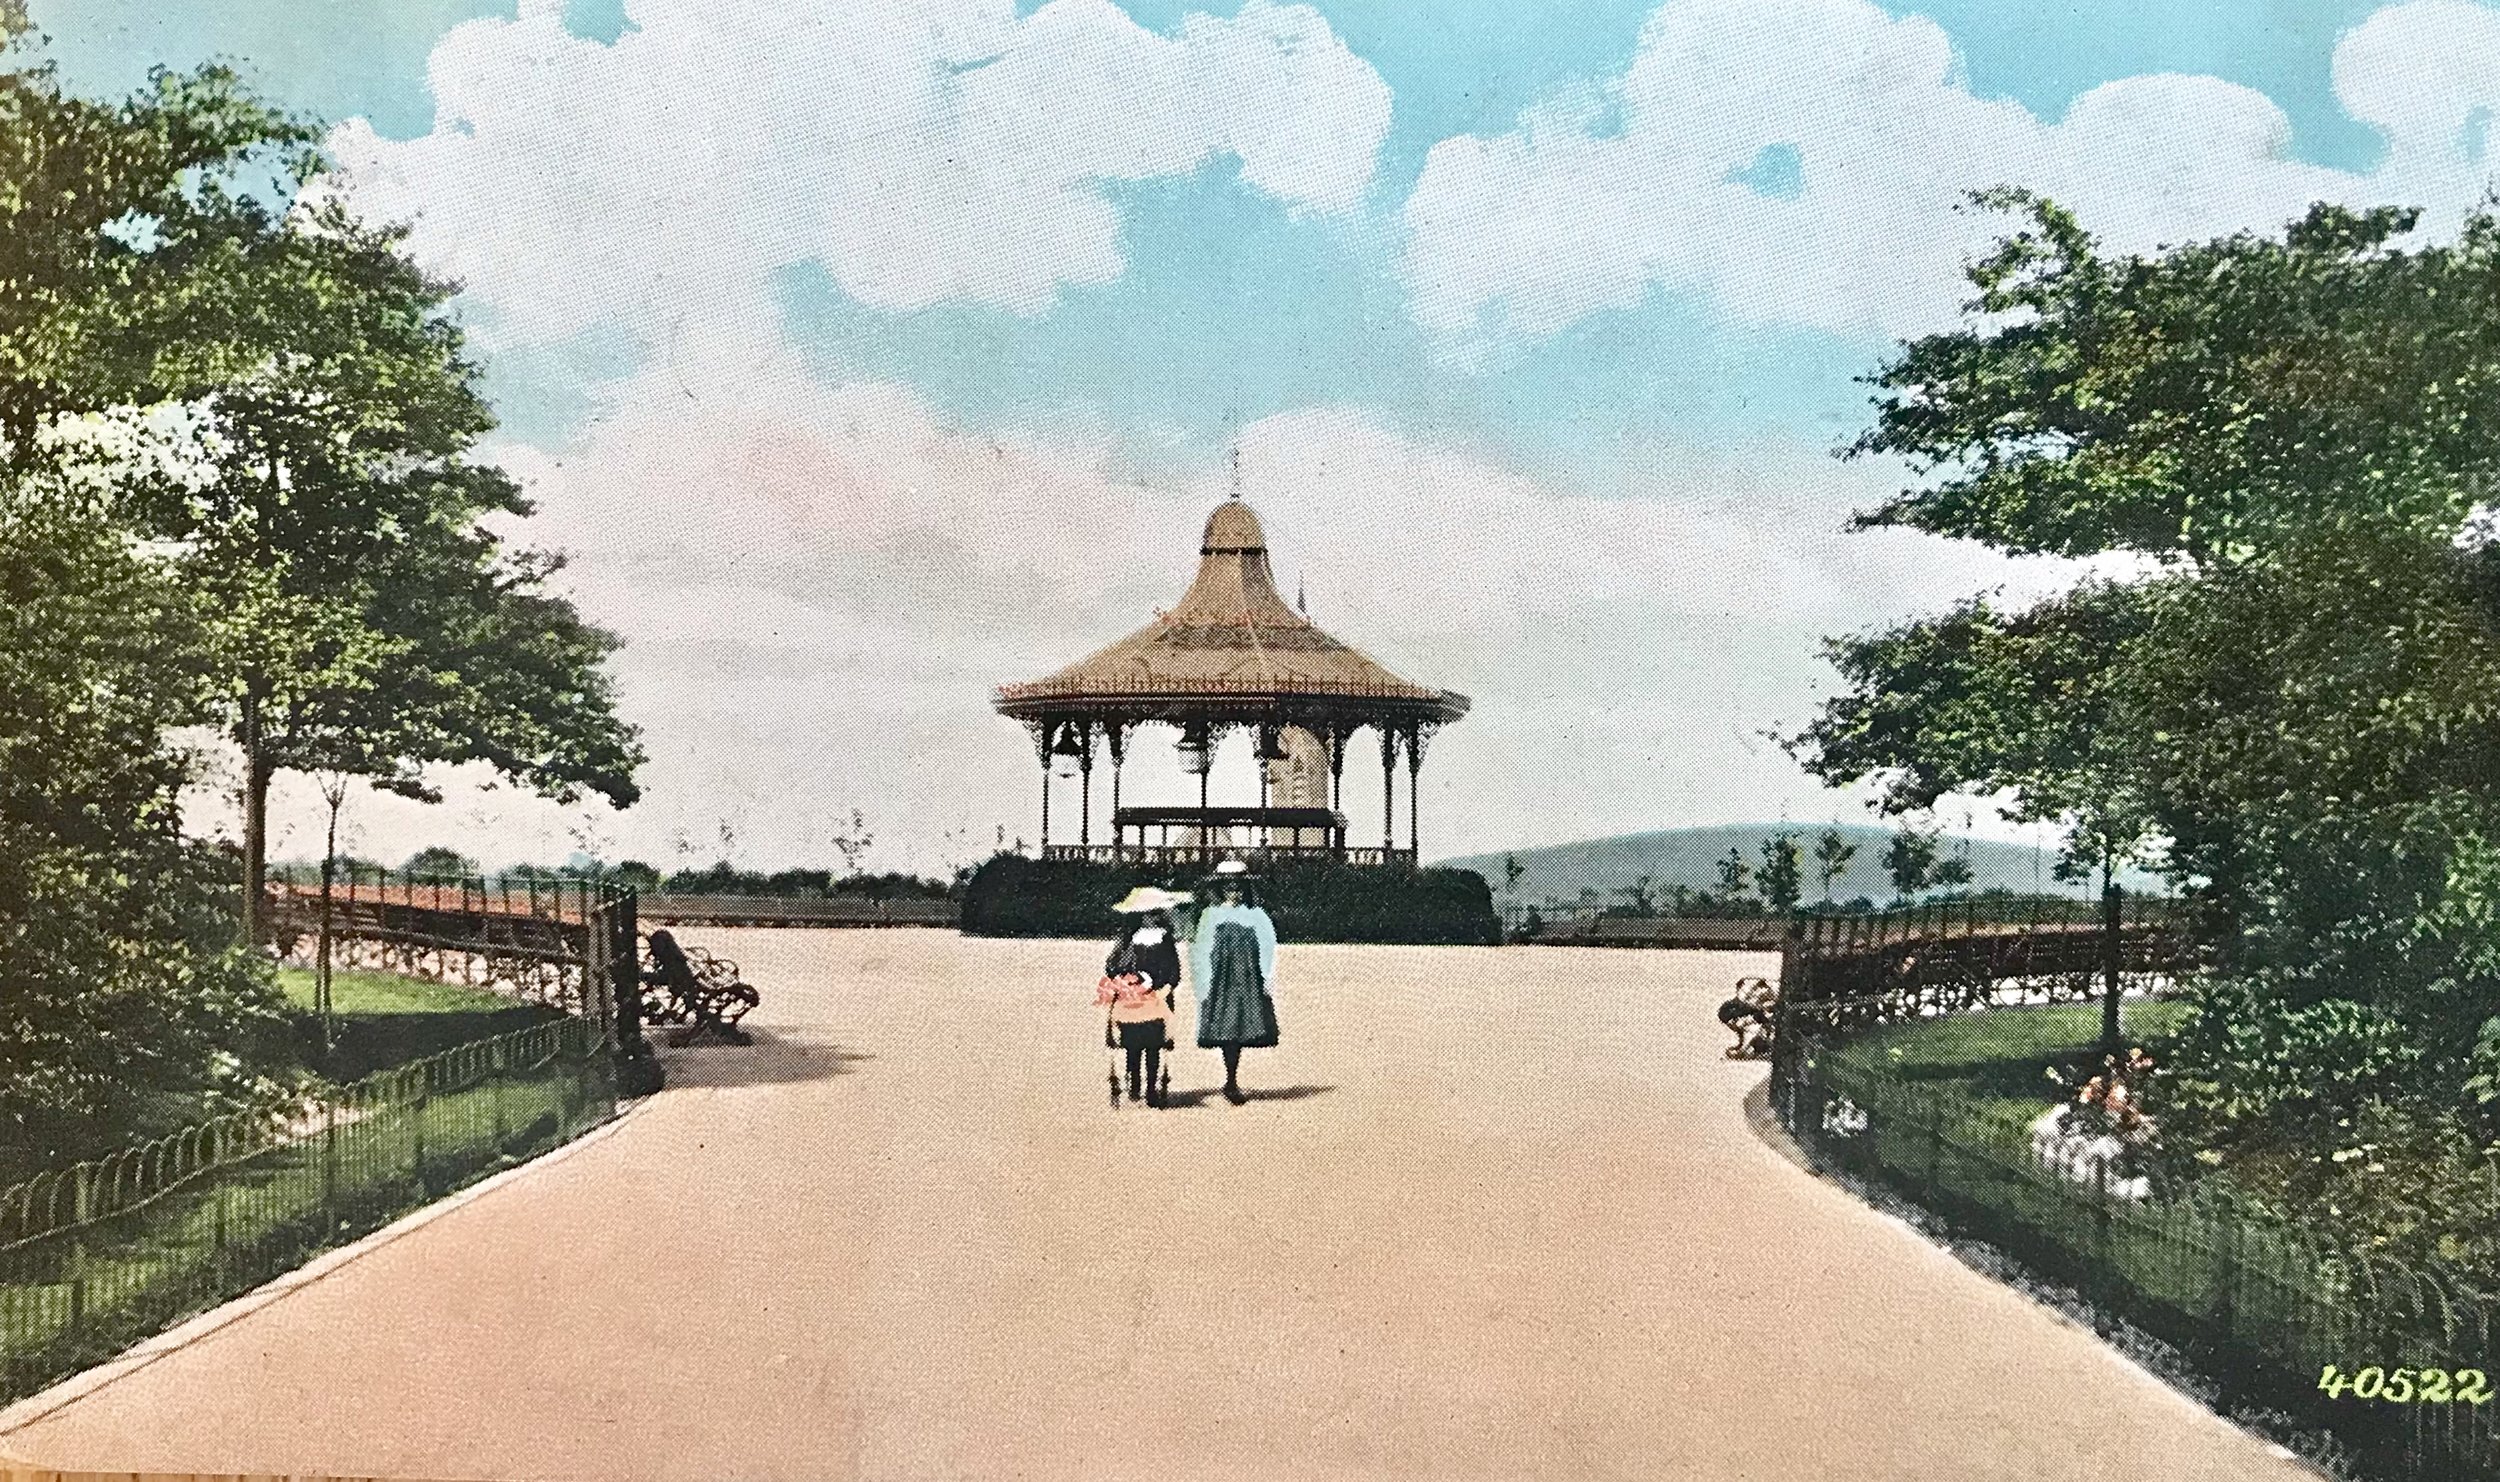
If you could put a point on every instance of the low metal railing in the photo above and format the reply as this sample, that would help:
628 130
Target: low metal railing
100 1256
780 910
2257 1307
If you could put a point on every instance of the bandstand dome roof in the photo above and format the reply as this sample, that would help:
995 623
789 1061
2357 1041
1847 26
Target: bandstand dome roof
1231 644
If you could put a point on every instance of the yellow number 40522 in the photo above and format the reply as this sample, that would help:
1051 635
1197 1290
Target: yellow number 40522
2407 1386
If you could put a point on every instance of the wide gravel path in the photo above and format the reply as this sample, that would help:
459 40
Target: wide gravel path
1497 1214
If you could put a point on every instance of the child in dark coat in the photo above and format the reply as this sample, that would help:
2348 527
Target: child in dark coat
1139 979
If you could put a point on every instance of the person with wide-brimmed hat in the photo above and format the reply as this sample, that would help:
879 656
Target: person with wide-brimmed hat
1138 983
1232 964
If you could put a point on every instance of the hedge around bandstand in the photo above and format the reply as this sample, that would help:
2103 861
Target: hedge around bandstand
1017 896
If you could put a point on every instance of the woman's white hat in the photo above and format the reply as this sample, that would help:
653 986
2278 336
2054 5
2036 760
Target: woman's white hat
1232 867
1150 898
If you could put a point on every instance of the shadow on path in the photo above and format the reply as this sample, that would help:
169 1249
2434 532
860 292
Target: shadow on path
772 1060
1215 1095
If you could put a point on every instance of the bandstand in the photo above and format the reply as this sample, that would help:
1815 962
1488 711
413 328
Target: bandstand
1233 655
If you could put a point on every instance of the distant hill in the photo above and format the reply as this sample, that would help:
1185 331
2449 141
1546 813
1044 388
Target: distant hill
1690 857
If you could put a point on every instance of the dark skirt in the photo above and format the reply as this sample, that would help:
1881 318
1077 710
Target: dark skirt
1146 1036
1234 1008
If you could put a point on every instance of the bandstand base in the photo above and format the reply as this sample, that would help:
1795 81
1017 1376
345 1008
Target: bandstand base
1314 897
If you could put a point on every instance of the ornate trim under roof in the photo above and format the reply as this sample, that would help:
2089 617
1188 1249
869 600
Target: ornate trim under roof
1232 644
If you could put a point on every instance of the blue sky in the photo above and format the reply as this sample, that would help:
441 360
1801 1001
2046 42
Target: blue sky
1470 68
864 364
1234 310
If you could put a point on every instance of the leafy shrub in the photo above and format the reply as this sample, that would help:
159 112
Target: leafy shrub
1015 896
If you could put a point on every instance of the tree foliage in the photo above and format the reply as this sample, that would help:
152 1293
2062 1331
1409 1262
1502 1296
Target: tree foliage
235 490
2208 403
126 997
2026 705
1781 876
1910 859
119 226
1832 853
371 624
2287 701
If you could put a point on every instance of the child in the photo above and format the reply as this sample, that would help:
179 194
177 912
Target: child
1137 986
1233 973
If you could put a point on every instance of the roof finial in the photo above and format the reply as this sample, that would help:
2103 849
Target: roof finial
1301 602
1236 470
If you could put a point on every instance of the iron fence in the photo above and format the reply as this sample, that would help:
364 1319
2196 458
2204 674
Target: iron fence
784 910
1941 956
100 1256
563 942
2255 1307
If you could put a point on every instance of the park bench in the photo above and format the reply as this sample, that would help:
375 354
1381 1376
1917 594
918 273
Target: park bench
689 987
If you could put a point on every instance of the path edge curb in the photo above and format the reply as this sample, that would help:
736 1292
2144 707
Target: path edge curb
2148 1357
50 1401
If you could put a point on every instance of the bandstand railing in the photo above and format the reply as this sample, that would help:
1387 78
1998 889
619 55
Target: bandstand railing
1210 854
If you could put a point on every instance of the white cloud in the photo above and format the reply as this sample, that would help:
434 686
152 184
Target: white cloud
819 585
1585 208
923 151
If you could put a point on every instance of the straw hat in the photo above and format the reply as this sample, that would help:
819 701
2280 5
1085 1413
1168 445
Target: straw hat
1149 898
1233 867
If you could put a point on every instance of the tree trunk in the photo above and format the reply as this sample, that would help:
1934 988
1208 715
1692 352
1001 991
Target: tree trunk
256 775
335 795
2112 918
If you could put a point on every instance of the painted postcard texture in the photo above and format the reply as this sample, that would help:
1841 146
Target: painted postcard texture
1191 739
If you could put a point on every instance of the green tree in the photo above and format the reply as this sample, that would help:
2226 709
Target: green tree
232 433
1639 897
1832 853
132 1003
2204 404
2027 706
2030 707
326 486
373 623
2289 434
2330 723
438 860
1910 859
1734 874
1781 878
117 230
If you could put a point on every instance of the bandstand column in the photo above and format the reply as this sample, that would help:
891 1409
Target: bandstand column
1388 792
1263 740
1116 736
1414 792
1085 788
1042 733
1336 789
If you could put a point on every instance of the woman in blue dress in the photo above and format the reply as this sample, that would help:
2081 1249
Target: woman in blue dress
1232 961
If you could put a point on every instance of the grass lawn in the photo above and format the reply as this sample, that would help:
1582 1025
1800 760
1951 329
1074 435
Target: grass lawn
1999 1061
69 1300
386 1020
75 1296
